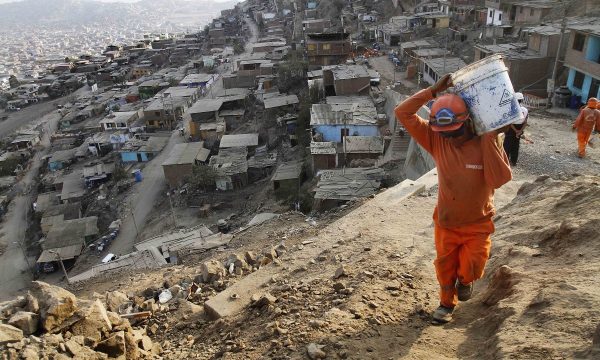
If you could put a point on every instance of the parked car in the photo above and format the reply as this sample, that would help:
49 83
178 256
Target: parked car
108 258
48 268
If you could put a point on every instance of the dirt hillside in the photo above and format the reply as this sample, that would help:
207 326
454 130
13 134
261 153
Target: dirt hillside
362 287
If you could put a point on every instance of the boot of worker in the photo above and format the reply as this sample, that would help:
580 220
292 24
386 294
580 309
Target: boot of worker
464 291
442 315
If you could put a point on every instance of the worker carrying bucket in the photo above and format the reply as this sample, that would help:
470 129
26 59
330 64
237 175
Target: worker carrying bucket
471 164
588 119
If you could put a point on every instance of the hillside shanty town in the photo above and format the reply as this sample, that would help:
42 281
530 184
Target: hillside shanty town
308 179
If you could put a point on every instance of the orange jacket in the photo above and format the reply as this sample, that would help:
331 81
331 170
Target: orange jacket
586 121
467 175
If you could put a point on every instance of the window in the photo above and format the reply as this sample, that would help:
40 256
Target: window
500 17
578 80
578 42
157 113
312 47
531 12
594 87
520 10
326 46
491 13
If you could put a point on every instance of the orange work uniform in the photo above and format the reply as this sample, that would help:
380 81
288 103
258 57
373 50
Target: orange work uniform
467 178
587 120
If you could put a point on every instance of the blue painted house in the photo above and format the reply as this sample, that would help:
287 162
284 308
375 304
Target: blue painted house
343 116
61 159
143 151
583 60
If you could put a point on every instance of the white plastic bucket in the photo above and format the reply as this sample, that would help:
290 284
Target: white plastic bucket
486 88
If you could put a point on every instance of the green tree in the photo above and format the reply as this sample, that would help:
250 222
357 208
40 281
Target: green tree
238 47
203 177
292 73
303 123
119 174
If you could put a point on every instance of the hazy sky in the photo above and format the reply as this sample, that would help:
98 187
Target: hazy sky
8 1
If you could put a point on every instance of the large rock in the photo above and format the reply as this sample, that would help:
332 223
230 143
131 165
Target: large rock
56 304
114 346
93 321
250 258
9 334
131 347
315 351
81 352
11 306
32 304
212 271
115 299
188 308
239 263
150 305
26 321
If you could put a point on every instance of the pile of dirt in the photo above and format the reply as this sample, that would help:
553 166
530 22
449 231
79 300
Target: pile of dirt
543 296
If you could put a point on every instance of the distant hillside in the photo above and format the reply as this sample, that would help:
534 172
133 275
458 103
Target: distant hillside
86 11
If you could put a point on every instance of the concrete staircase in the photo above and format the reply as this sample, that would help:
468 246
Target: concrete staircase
399 146
397 150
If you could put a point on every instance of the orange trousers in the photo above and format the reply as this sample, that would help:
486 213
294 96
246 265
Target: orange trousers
582 140
462 253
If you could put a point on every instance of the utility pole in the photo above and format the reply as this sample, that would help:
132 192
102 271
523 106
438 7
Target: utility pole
133 218
20 245
563 27
172 210
552 80
62 265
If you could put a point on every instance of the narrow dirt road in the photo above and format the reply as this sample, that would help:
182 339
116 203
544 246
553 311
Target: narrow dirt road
14 271
143 198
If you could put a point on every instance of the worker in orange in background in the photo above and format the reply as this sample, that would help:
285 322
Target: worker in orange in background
588 119
469 169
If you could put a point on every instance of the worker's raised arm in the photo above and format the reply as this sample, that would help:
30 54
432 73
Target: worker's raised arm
417 127
496 168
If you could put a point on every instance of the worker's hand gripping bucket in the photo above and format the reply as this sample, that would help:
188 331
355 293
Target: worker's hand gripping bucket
486 89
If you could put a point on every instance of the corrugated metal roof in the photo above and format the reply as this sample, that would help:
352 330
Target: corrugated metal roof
343 72
278 101
287 171
348 184
444 66
196 78
230 161
344 110
70 232
363 144
323 148
184 153
591 26
430 52
205 105
64 253
238 140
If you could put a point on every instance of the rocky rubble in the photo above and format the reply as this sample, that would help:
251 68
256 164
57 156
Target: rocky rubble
52 323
